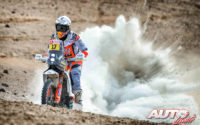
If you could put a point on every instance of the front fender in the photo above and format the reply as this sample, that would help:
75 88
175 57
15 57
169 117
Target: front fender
51 74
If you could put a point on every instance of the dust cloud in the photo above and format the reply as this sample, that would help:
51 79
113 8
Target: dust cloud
124 76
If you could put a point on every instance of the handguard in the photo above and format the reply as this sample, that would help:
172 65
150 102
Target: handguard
79 57
39 57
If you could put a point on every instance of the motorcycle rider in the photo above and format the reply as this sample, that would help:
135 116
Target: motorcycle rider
72 46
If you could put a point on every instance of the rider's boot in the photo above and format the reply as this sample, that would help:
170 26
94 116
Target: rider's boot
78 96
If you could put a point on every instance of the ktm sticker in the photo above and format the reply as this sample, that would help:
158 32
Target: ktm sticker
54 42
54 45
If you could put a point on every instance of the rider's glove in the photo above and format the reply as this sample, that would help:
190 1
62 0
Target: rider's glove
85 53
45 56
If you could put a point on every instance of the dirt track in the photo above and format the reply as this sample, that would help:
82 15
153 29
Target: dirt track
24 113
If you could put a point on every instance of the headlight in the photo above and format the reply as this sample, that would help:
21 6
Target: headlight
52 59
53 55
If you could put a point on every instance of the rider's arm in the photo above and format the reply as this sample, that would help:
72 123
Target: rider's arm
81 46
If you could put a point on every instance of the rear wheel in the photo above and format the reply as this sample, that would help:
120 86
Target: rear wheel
48 92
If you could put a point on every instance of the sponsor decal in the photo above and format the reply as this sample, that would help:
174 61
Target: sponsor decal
54 42
180 116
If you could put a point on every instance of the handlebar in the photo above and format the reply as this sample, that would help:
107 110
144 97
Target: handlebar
75 59
39 57
79 57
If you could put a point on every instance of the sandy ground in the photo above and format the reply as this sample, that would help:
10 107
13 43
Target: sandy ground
24 113
26 26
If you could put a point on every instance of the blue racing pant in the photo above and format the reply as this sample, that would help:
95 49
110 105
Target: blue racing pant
75 75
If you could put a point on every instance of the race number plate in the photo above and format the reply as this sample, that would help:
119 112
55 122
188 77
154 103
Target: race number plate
54 45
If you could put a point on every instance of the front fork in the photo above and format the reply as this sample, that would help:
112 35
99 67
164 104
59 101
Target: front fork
59 89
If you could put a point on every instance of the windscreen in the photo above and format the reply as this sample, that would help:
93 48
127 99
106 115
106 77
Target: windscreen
55 52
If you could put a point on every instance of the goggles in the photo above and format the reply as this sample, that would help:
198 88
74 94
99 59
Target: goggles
62 28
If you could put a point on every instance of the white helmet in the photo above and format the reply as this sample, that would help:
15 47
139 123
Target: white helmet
63 20
63 26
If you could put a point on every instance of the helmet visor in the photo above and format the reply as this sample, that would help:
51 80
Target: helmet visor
61 28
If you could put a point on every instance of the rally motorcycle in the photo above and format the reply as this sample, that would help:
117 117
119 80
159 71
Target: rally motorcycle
57 88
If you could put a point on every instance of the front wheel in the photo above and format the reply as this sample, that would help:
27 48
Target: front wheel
48 93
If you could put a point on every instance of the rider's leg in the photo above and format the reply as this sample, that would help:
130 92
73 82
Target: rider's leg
76 87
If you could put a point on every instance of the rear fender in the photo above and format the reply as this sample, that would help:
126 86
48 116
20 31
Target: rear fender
51 74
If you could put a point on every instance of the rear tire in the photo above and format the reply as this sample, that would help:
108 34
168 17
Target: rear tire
48 93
